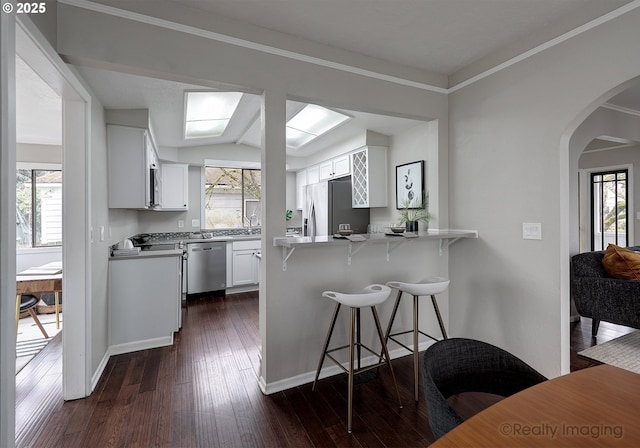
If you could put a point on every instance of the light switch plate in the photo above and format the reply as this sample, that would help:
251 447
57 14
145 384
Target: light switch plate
195 223
531 231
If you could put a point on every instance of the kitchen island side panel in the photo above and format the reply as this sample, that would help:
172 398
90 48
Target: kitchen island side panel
143 296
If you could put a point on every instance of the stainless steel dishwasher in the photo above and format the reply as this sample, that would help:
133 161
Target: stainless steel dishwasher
206 267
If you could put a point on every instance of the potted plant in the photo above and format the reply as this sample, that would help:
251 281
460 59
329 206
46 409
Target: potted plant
411 216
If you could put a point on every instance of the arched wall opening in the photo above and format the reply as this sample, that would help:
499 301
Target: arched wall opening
592 122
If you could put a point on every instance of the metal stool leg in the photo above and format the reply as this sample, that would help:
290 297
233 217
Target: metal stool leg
435 307
351 369
326 344
393 315
416 348
386 352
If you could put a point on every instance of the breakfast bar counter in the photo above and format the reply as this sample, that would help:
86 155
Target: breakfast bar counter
354 243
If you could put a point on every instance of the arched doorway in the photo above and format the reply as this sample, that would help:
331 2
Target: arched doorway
592 122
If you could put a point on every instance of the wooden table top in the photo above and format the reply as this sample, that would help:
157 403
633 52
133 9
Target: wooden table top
598 406
29 284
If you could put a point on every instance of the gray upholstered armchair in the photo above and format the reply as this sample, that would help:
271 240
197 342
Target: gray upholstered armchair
601 297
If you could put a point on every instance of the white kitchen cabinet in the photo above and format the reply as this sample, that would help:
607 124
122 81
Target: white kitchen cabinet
301 183
325 170
246 268
334 168
144 301
313 175
131 157
342 166
174 186
369 177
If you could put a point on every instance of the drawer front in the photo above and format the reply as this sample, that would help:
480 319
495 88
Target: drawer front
246 245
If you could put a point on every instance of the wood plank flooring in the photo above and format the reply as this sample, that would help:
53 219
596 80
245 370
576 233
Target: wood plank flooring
203 392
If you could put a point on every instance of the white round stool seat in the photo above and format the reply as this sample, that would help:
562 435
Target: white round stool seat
369 296
427 287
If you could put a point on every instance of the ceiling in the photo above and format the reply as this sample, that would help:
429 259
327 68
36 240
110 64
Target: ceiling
440 36
444 37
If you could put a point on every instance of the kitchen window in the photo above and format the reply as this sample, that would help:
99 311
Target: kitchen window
38 208
233 198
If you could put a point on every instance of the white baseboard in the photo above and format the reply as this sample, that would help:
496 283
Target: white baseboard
127 348
140 345
329 369
239 289
99 371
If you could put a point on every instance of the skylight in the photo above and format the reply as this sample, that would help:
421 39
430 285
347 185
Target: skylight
207 114
311 122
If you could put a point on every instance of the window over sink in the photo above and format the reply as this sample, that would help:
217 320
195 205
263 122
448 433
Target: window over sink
233 197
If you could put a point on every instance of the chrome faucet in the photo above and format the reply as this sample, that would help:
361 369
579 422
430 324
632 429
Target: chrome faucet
250 219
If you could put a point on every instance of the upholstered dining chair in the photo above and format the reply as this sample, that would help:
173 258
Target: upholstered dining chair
458 365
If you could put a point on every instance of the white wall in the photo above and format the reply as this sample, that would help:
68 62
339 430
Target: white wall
27 258
27 152
417 143
510 163
289 301
101 219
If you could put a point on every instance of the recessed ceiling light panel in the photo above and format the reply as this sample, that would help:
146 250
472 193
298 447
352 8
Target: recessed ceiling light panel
311 122
207 114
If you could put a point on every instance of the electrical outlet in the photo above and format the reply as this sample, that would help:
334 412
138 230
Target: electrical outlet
180 223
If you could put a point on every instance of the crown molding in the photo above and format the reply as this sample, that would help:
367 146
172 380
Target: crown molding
624 110
174 26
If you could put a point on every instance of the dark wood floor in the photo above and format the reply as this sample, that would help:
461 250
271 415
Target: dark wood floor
203 392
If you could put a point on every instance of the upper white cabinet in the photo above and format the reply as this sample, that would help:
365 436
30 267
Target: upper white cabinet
174 186
369 177
334 168
132 168
313 175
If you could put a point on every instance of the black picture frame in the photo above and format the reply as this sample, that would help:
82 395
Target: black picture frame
410 185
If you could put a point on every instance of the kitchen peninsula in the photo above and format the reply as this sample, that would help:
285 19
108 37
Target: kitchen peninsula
355 243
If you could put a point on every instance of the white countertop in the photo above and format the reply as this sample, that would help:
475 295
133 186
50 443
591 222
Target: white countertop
290 244
373 238
149 253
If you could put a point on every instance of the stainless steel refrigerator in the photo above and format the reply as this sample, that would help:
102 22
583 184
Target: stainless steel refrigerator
328 204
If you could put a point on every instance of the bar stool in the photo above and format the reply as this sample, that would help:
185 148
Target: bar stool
370 296
428 287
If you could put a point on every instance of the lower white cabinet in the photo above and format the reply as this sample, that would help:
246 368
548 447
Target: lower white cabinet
245 263
145 300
